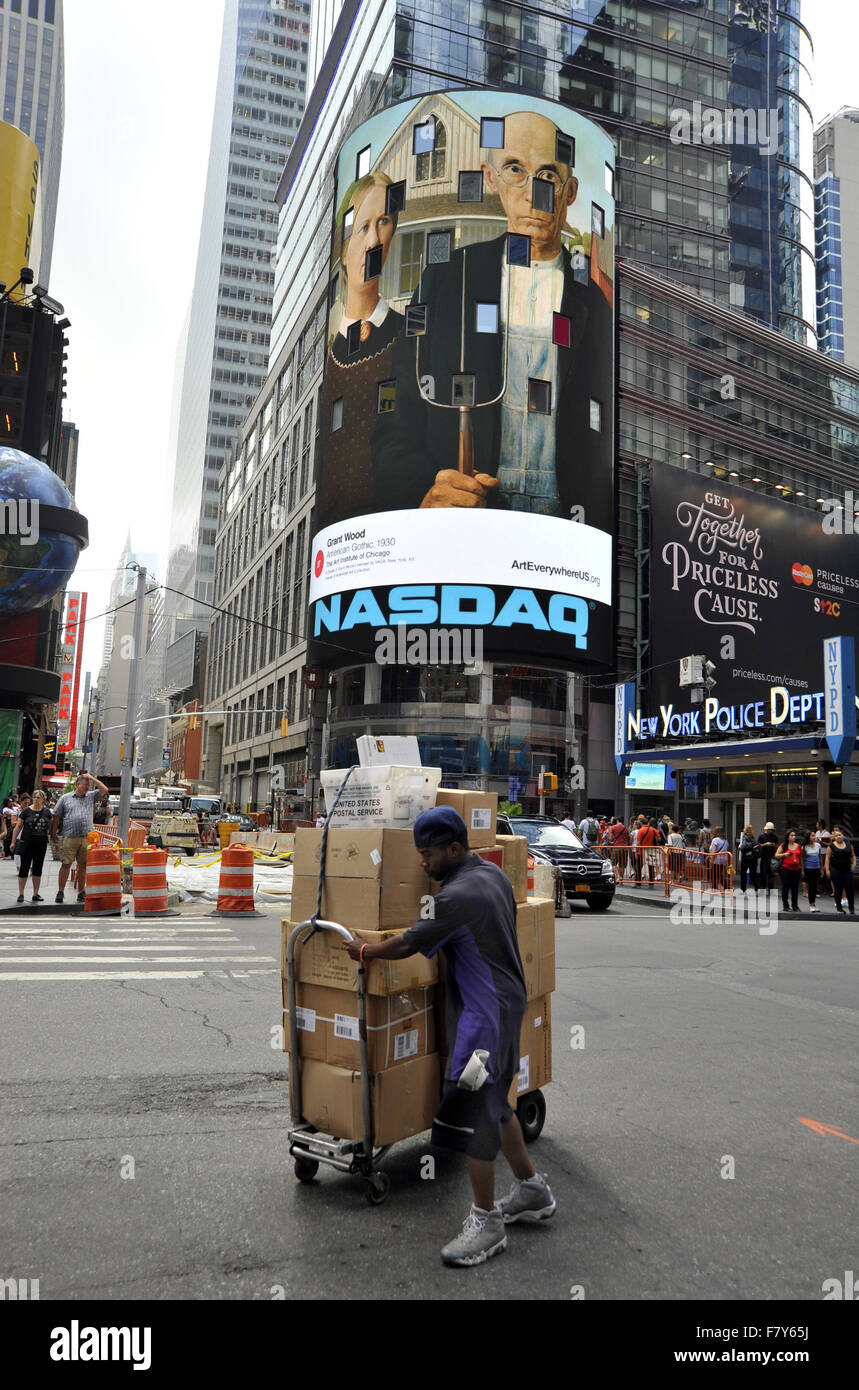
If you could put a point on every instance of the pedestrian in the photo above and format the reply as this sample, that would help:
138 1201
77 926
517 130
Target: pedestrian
72 819
589 830
619 841
23 805
570 822
811 859
720 856
675 854
31 837
767 843
749 850
789 858
840 864
705 835
649 840
823 839
474 923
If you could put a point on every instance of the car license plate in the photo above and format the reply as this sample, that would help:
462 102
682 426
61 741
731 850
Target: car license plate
583 887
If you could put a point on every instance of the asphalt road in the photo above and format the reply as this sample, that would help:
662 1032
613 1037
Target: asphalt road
152 1043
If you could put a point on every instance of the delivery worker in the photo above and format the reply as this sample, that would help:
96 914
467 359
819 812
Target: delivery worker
474 921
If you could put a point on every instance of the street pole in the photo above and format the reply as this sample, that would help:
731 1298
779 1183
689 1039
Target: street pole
131 708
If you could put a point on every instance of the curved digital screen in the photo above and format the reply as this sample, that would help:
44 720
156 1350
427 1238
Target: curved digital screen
466 462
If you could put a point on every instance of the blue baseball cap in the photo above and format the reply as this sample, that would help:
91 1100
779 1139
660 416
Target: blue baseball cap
440 825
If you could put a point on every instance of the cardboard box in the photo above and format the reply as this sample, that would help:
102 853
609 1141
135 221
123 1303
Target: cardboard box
405 1099
399 1027
535 1049
515 863
323 961
535 930
479 811
385 795
373 878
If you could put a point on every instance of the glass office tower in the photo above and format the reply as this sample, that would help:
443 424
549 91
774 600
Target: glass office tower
32 93
723 206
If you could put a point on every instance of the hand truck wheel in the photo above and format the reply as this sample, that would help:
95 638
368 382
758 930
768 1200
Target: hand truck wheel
531 1113
306 1169
377 1189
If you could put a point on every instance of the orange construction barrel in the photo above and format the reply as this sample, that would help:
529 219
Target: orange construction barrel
149 883
236 883
103 881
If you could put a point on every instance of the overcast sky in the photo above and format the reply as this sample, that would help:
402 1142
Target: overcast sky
140 90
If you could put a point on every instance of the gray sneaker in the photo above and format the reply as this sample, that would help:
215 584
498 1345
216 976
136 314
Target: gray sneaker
482 1235
530 1200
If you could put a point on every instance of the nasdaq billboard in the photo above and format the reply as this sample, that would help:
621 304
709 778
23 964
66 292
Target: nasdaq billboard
466 426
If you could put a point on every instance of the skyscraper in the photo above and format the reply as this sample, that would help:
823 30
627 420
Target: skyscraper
258 106
836 192
33 94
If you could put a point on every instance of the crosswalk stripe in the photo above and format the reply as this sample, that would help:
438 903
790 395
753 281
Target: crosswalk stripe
27 976
125 960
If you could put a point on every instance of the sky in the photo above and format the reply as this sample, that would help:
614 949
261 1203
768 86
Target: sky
140 91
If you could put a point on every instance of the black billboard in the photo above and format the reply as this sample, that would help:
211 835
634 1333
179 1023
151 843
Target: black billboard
754 584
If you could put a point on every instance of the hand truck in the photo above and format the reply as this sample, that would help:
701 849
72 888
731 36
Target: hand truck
308 1146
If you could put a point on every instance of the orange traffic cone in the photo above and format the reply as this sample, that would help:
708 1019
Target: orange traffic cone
236 883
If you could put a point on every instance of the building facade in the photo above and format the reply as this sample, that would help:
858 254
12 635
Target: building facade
258 106
33 95
715 244
836 190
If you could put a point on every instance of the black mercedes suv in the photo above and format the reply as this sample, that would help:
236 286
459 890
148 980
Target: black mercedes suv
585 872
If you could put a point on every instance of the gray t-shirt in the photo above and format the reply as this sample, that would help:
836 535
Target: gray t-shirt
74 814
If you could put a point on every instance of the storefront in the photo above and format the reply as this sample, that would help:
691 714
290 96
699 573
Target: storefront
791 784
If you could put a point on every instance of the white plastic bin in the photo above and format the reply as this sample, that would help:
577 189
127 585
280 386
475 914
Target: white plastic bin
388 795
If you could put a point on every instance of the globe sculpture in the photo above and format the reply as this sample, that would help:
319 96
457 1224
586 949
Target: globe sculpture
37 554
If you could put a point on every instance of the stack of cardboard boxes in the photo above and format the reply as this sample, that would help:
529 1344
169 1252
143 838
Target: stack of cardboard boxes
375 887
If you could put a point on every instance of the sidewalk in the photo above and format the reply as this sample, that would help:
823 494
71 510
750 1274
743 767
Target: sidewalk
643 896
48 890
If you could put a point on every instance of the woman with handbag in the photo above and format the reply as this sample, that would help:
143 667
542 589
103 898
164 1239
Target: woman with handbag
789 859
31 837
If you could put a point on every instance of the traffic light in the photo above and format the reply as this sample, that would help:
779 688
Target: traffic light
121 749
284 728
549 783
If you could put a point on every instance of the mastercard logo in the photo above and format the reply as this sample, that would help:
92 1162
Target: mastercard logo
319 563
802 574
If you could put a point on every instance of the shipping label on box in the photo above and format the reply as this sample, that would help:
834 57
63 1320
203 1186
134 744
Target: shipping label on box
479 810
